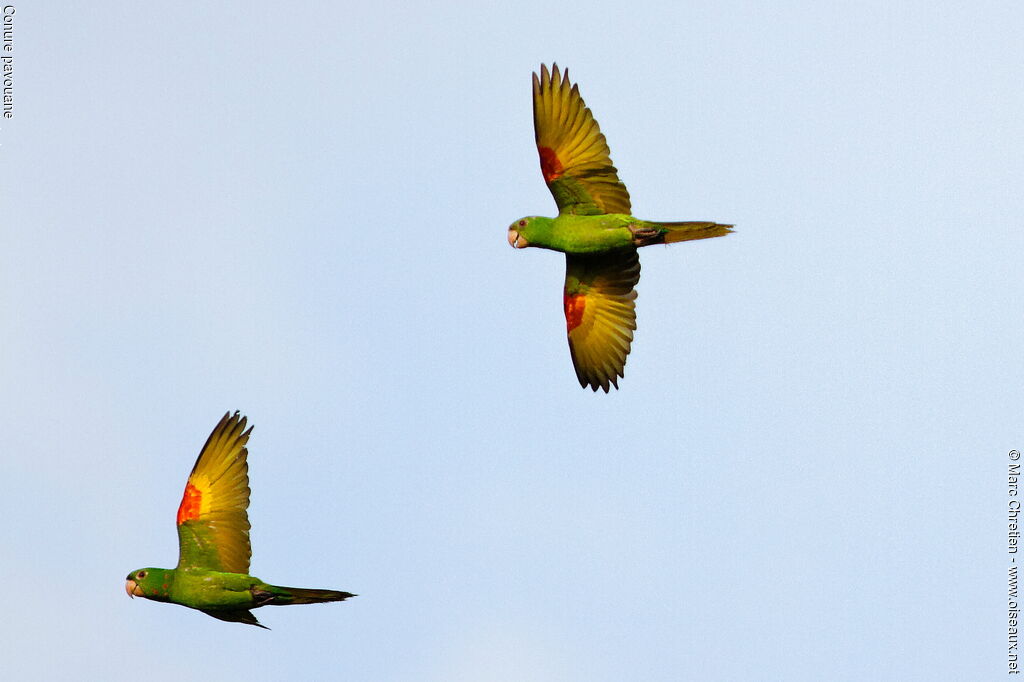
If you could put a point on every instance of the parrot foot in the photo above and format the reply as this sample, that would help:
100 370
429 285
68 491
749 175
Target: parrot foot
262 597
642 236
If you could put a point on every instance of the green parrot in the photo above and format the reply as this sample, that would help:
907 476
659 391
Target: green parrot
594 229
213 540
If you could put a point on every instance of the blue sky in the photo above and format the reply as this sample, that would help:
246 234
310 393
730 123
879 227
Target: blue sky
300 213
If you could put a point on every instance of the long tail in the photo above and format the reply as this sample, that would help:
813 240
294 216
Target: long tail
283 596
681 232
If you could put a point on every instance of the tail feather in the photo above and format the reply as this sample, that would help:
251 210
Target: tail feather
281 596
681 232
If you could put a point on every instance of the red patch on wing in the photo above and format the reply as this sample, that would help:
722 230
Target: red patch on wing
574 305
550 166
190 503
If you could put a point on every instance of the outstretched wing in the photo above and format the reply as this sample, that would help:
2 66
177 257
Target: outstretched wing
213 527
574 156
600 313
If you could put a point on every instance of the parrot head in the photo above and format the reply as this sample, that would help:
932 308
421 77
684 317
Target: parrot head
526 230
516 238
151 583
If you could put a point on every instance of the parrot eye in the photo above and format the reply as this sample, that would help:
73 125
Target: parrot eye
522 223
141 574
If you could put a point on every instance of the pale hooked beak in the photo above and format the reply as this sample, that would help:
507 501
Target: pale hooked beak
516 240
132 589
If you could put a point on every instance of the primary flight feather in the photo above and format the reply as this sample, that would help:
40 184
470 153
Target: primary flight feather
213 540
594 228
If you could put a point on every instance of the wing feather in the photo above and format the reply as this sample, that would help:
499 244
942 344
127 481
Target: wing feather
574 155
600 314
213 526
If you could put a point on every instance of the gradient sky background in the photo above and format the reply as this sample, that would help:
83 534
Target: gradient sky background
300 213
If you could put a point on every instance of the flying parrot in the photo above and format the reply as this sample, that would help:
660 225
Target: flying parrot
213 540
594 229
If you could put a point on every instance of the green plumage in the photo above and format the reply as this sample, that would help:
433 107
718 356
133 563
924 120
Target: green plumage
595 229
213 540
227 596
587 234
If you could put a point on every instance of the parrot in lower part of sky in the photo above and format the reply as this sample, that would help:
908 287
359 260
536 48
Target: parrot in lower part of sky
594 229
213 540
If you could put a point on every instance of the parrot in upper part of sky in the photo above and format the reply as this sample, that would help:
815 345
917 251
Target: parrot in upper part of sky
594 229
213 540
